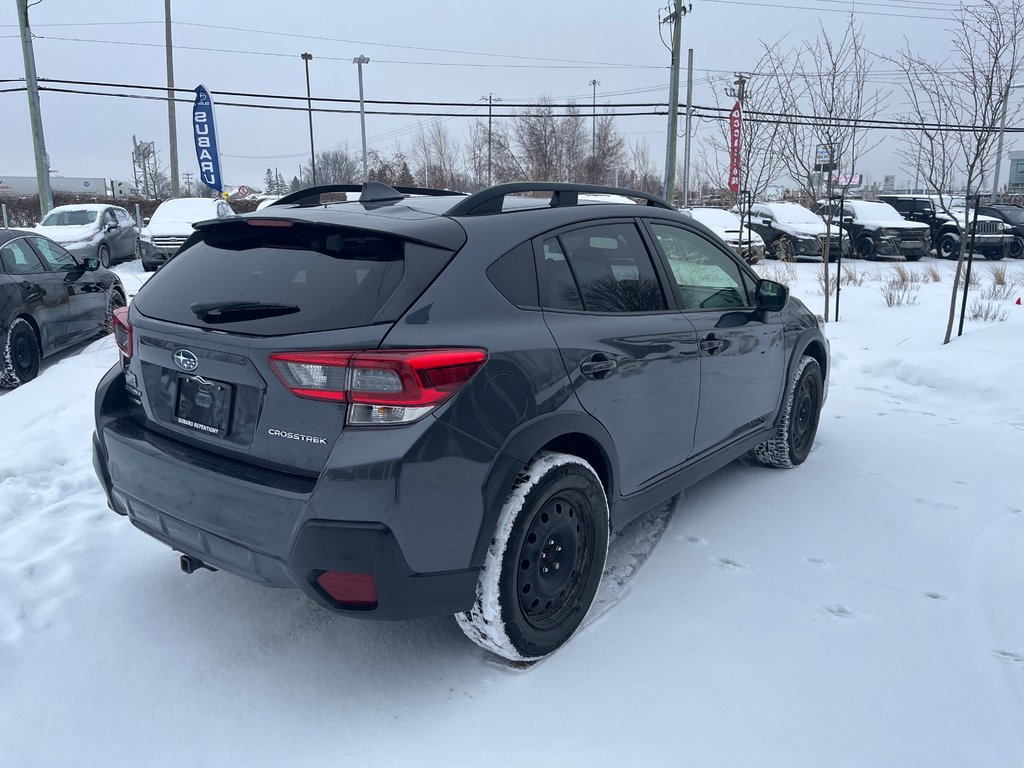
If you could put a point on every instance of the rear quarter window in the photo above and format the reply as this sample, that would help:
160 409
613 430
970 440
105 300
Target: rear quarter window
319 278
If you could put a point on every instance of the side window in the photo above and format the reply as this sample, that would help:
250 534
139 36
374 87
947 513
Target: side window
18 259
707 278
557 287
124 218
515 276
613 269
55 256
903 206
108 218
924 206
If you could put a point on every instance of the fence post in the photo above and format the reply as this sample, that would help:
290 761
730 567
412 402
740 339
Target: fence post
138 216
3 206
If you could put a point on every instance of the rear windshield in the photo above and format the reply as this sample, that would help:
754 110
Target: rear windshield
269 281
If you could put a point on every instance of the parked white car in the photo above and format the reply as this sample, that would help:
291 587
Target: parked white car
726 224
93 230
171 225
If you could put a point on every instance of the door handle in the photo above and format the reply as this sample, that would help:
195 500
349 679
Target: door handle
711 345
597 366
31 291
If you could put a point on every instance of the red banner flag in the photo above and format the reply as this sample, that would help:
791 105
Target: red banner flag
735 128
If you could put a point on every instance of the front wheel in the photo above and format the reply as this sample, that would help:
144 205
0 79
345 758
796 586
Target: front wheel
115 300
949 246
103 254
783 248
545 562
1016 249
137 255
792 441
866 248
20 361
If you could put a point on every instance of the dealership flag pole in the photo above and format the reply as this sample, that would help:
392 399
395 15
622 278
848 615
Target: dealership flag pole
205 132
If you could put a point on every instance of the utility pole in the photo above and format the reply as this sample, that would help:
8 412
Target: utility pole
172 127
36 118
675 17
491 98
593 131
188 183
359 61
306 58
689 116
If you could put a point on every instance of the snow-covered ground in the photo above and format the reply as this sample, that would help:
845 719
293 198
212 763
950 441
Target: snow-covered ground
865 609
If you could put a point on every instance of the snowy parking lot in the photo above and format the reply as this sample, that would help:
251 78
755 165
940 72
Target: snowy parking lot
864 609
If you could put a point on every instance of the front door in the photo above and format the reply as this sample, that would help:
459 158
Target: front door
43 295
631 358
742 351
87 297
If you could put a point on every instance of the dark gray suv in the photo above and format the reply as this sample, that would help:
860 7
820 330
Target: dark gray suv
419 404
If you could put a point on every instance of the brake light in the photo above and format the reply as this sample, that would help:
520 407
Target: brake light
358 590
122 331
387 387
270 223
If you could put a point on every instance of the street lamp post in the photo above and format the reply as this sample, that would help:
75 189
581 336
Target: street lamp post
359 61
306 58
999 143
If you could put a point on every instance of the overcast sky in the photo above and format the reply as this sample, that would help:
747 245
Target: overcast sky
445 50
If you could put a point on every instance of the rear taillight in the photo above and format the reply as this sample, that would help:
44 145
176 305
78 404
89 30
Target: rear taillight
390 387
122 331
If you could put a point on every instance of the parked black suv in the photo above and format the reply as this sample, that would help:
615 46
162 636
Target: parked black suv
1012 214
413 406
877 230
991 239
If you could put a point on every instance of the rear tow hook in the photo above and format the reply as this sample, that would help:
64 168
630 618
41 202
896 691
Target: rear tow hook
191 564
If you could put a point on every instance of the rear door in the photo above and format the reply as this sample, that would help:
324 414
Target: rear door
742 352
632 358
205 328
41 293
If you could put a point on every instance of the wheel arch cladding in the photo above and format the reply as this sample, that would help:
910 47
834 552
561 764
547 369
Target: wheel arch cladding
816 350
35 329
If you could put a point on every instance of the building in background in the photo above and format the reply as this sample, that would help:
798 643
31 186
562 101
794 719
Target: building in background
1016 182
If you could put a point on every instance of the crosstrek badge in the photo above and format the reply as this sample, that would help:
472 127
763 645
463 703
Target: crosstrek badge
297 436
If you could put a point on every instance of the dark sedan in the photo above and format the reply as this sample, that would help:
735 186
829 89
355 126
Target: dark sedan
49 300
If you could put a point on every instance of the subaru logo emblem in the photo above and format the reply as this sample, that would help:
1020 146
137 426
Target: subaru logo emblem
186 360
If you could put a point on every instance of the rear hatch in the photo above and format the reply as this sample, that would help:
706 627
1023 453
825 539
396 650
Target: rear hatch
205 327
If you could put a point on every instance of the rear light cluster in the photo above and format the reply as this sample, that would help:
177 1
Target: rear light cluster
122 331
392 387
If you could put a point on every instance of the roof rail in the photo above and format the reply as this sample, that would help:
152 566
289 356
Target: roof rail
492 199
370 192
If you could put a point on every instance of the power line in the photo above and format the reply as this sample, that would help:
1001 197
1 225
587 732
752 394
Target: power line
819 10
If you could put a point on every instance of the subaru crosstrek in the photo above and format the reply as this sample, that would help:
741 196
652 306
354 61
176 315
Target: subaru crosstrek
415 405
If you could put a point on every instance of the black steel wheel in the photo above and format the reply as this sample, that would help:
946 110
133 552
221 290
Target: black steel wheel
866 248
20 355
794 436
545 561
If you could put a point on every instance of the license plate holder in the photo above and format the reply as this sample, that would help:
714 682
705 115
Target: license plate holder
203 405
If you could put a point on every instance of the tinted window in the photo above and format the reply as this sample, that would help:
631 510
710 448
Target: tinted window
707 278
613 269
315 278
19 259
515 275
557 288
55 256
924 206
903 206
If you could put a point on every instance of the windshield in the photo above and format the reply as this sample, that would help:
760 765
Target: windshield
187 210
72 218
876 212
795 214
1014 215
716 218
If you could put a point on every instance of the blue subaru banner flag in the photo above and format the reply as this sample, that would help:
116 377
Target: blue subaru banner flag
206 140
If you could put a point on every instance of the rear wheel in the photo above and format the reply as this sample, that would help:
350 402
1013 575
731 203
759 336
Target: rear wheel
545 561
792 441
20 355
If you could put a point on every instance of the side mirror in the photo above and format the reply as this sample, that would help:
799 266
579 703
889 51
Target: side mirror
145 221
771 296
91 265
110 226
35 224
847 219
766 222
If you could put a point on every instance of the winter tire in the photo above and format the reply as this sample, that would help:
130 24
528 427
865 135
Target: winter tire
20 355
114 301
949 246
792 441
783 249
545 561
103 254
866 248
137 254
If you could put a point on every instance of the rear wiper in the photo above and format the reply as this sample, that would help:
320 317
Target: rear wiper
226 311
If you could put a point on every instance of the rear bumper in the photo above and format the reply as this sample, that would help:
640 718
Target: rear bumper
271 528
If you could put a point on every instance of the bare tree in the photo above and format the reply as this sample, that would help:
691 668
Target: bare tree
956 105
822 90
641 173
333 166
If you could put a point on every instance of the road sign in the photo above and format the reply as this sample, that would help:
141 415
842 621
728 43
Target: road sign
243 191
